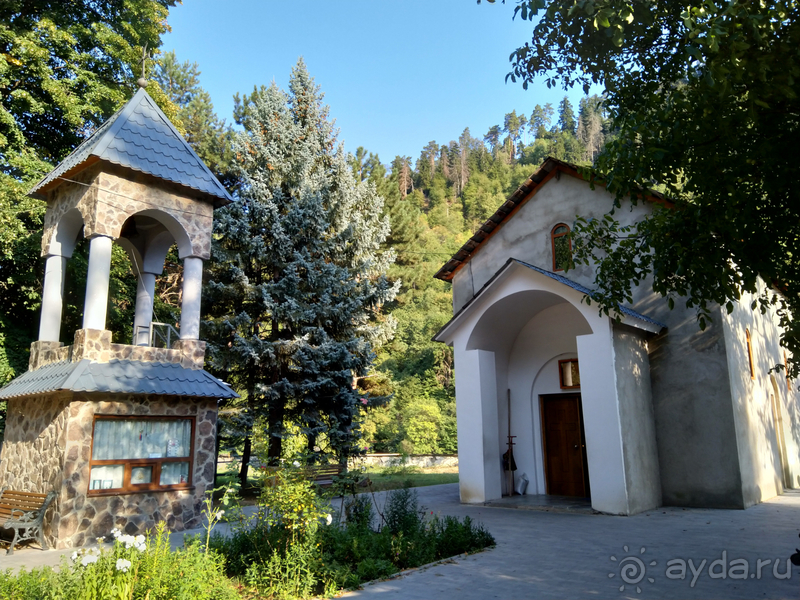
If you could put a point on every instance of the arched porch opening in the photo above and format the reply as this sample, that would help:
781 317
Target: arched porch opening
529 332
149 237
509 340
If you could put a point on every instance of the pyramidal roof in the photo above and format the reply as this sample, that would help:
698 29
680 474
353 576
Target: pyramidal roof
140 137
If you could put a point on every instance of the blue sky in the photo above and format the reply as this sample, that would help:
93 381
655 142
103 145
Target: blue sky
395 74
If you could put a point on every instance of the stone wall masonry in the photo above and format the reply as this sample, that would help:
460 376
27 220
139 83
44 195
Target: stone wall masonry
85 517
107 196
80 193
413 460
47 447
45 353
95 344
32 457
122 194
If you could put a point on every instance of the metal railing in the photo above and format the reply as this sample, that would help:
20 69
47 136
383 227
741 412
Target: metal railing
156 335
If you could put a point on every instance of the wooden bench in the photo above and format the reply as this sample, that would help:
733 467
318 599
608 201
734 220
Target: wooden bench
24 510
323 475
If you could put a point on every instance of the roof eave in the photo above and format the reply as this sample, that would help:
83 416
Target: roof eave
551 167
218 201
638 322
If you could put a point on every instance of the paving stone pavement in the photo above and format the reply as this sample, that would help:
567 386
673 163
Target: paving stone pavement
565 555
569 555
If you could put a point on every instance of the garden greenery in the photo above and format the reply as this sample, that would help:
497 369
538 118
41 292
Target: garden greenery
134 568
294 546
297 545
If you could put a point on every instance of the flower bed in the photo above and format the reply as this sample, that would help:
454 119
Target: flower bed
134 567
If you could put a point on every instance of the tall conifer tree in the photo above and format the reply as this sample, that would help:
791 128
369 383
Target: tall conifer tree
298 281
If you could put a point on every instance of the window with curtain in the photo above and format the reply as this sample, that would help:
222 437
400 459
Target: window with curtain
141 454
562 247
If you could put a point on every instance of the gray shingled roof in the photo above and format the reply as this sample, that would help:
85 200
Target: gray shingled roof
140 137
629 312
118 377
584 290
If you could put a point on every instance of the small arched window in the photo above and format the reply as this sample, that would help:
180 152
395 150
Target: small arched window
562 247
750 354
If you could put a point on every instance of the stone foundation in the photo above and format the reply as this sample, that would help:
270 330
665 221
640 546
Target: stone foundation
47 447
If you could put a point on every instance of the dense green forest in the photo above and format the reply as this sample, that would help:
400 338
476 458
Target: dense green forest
435 203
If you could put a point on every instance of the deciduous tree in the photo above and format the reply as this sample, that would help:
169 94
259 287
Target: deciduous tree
705 102
65 67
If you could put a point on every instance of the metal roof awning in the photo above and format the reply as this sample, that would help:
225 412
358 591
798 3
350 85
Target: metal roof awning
118 377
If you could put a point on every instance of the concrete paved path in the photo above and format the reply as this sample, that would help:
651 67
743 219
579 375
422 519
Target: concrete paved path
564 555
569 555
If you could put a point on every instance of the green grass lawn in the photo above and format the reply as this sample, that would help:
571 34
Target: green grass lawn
392 478
382 478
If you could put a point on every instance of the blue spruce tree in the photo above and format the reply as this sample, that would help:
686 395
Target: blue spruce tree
298 279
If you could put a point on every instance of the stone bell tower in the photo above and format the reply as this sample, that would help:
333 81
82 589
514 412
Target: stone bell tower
124 433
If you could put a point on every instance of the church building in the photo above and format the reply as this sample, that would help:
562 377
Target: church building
633 410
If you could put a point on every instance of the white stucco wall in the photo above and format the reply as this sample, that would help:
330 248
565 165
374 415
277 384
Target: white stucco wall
756 415
506 340
639 448
716 443
526 236
476 414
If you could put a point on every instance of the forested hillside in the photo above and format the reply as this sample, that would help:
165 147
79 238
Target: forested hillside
435 202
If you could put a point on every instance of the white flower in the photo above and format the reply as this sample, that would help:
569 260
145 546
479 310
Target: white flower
123 565
141 547
130 541
89 559
116 532
296 464
328 519
74 556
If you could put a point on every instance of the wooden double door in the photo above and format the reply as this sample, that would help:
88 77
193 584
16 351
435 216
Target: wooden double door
565 467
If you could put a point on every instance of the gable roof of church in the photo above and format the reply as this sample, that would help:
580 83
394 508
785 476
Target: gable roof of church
551 167
140 137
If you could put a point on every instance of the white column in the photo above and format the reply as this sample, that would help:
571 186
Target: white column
96 303
190 304
601 421
52 298
478 434
145 294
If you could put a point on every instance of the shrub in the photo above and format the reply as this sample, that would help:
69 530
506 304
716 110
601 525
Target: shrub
276 552
294 548
354 552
